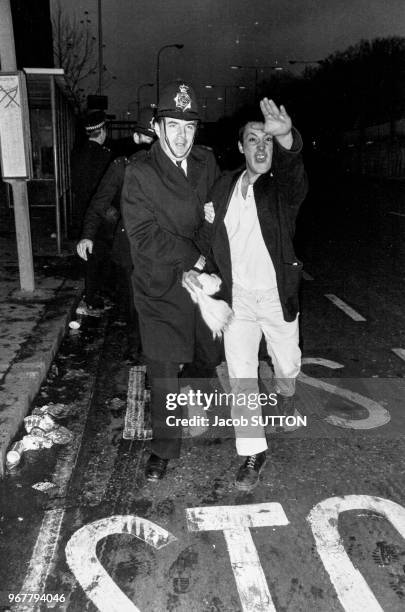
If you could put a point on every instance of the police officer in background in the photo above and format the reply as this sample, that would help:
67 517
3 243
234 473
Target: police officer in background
163 211
88 166
105 208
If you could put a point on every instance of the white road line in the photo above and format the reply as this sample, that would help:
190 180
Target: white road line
399 352
392 212
42 556
352 590
235 522
307 276
84 563
345 307
377 414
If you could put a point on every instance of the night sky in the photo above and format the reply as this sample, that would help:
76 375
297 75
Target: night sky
218 33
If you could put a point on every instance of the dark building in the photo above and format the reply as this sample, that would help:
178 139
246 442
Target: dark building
32 33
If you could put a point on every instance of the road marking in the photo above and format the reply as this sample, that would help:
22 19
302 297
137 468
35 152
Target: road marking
392 212
377 414
352 590
83 561
345 307
307 276
42 556
399 352
47 540
236 522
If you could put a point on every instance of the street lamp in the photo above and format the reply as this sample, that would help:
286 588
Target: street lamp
177 46
256 69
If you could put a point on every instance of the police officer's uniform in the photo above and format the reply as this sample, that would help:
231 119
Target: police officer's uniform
163 212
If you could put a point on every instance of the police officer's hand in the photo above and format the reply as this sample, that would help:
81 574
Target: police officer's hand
84 247
276 121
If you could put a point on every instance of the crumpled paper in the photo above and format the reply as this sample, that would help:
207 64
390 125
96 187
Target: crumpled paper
42 432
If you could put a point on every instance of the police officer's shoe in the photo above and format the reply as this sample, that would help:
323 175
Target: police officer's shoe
155 468
248 473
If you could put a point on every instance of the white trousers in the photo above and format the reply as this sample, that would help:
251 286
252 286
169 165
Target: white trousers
256 313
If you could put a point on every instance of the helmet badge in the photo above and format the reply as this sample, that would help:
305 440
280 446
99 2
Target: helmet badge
182 98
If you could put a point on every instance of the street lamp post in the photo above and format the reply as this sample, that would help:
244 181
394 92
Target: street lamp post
256 69
177 46
100 48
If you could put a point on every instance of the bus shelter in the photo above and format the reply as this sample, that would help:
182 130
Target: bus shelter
52 124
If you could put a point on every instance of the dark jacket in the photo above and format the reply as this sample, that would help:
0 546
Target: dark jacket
87 168
104 210
163 211
278 196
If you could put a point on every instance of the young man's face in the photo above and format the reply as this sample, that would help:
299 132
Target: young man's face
176 136
257 147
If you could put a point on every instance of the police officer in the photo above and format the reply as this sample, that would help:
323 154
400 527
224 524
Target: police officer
163 210
105 208
89 164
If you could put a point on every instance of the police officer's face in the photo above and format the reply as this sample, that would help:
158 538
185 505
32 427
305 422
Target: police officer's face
257 147
178 134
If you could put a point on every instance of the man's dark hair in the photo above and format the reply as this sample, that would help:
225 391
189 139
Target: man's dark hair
248 114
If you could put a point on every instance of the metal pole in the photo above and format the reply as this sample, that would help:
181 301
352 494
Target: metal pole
19 187
55 164
100 49
256 77
157 74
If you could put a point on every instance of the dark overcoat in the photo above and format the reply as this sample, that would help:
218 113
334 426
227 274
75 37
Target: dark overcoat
278 196
87 168
103 212
163 211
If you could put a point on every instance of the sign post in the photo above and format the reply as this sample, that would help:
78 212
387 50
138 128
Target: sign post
15 143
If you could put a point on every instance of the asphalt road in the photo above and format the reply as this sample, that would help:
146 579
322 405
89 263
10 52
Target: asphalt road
324 530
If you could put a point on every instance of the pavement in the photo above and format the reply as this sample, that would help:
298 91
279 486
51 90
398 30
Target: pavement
32 325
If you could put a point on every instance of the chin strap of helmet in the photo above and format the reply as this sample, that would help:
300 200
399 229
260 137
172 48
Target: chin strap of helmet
168 143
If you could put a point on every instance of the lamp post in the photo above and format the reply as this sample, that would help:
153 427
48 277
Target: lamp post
256 69
226 88
177 46
100 48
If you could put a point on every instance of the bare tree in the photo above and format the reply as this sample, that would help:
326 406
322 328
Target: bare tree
74 51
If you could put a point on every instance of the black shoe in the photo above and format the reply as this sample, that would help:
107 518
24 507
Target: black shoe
155 468
248 473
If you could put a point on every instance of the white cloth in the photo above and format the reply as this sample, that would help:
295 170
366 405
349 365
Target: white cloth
252 267
255 313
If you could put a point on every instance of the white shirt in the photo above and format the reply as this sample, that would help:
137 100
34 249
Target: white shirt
252 267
